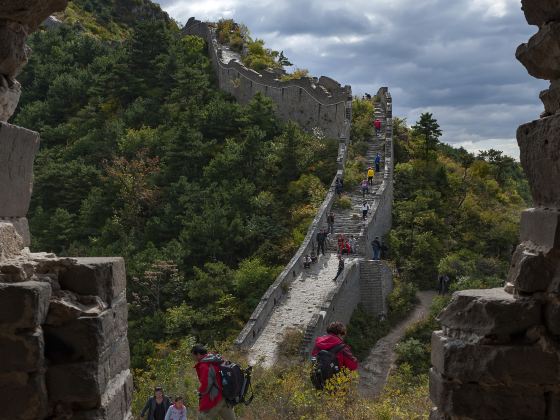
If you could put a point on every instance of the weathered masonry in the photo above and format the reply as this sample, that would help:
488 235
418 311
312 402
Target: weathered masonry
498 353
63 321
311 102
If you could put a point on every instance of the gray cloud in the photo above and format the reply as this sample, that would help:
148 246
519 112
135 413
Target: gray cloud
453 58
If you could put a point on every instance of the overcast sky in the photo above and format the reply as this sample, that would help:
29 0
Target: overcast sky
454 58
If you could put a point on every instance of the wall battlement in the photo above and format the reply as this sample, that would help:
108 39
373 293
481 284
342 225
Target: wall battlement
311 102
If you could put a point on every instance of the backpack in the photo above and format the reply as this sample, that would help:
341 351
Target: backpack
235 381
325 366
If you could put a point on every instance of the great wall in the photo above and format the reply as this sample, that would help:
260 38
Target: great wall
309 299
63 338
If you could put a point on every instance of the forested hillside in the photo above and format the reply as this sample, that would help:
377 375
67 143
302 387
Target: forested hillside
142 156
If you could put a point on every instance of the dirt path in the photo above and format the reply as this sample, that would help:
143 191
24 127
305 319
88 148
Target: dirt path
375 369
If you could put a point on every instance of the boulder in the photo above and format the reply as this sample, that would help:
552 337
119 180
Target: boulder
490 312
539 143
9 98
13 50
11 244
18 147
551 98
541 55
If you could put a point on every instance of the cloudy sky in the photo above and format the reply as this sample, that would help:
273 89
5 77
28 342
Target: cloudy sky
454 58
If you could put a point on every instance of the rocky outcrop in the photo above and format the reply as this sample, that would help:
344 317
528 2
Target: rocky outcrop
498 354
63 321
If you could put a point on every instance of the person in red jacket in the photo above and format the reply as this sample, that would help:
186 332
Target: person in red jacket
377 124
210 404
335 332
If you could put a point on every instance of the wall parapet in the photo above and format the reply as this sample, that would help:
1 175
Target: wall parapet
312 102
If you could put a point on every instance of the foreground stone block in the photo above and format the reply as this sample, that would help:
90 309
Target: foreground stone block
552 316
490 311
103 277
13 51
30 12
493 364
87 337
9 98
23 305
23 396
22 352
539 142
540 12
551 98
11 244
478 401
531 270
18 147
542 227
115 402
21 225
541 55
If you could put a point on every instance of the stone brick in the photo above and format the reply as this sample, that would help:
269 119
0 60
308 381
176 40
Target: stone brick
9 98
551 98
22 352
540 12
23 305
87 337
115 402
103 277
21 225
490 311
531 270
18 147
30 12
13 51
541 226
539 142
541 55
477 401
83 384
11 244
493 364
23 396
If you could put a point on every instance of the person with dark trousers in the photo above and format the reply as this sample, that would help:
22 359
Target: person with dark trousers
376 246
321 238
340 267
377 124
377 162
330 222
335 333
157 405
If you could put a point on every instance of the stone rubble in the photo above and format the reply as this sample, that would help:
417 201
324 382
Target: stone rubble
498 353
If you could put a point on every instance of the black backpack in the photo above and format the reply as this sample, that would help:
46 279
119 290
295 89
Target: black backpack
325 366
235 381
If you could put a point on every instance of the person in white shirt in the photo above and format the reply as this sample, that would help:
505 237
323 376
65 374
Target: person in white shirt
365 209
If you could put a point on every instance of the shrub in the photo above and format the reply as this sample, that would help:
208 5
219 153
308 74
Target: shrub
415 353
402 299
297 74
291 343
343 202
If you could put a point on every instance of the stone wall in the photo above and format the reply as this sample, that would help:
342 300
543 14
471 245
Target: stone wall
63 321
498 353
311 102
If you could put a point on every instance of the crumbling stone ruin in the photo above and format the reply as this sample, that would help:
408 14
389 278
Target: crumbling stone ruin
63 321
497 355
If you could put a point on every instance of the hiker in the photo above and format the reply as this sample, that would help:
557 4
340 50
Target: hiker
365 187
370 175
330 222
340 243
177 411
211 404
321 238
313 257
365 209
307 261
443 284
335 333
338 187
346 248
377 162
340 267
377 125
157 405
376 245
353 244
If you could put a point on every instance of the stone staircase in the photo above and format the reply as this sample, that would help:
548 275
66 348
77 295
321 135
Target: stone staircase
371 288
309 290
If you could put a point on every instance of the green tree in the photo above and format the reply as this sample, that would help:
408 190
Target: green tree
428 128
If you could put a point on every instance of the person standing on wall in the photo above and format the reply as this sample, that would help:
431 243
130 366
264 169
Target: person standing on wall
376 245
377 124
370 175
340 267
365 188
365 209
321 238
157 405
377 162
330 222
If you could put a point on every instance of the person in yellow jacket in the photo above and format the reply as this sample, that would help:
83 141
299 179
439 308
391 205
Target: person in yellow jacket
370 175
